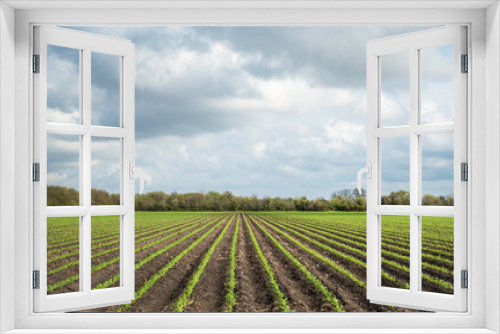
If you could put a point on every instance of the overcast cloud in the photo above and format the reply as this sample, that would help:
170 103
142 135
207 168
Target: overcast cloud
276 111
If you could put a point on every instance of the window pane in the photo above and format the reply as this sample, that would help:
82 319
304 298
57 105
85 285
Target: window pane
105 167
63 255
437 169
437 254
395 89
395 251
63 170
105 90
105 252
437 84
63 85
395 170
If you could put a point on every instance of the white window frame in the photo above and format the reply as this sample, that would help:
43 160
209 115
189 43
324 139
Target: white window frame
483 122
86 44
413 43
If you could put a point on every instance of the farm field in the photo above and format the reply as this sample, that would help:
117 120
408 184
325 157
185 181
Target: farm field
250 261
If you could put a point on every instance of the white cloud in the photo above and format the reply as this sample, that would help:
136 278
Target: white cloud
284 117
56 177
57 116
259 149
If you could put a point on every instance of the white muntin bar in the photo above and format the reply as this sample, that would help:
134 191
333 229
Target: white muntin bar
78 129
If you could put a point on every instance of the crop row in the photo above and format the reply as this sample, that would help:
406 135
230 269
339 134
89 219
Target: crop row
103 265
99 239
397 265
165 269
386 245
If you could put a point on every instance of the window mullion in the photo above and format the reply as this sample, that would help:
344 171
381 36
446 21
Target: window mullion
85 161
414 172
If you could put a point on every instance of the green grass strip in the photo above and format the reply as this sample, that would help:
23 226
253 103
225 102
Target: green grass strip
116 236
344 256
363 245
141 263
142 226
101 234
150 257
104 252
335 233
437 281
115 241
328 296
332 264
362 253
231 283
103 265
346 229
181 302
280 297
162 271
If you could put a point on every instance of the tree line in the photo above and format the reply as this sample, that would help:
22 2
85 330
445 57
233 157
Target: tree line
343 200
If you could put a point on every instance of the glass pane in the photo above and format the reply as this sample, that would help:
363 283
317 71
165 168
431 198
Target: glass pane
395 251
105 252
437 84
63 170
63 85
437 169
106 173
63 255
395 170
437 254
395 89
105 90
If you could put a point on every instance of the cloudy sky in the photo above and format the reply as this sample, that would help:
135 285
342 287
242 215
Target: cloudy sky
276 111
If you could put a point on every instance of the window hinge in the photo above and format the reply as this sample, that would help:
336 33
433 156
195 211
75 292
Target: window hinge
36 172
36 63
36 279
465 279
464 171
465 64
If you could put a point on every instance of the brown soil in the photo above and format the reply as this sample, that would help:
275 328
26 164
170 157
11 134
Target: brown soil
349 293
301 294
399 275
146 271
113 269
252 292
169 287
393 240
209 293
96 238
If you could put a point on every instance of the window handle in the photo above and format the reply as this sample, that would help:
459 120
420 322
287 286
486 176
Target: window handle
368 171
133 170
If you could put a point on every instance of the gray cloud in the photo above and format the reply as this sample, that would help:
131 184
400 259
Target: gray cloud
255 110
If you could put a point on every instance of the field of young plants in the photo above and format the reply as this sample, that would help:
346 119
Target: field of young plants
250 262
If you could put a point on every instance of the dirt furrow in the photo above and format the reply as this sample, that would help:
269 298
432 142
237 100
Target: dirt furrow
112 269
209 293
170 286
302 296
253 294
352 295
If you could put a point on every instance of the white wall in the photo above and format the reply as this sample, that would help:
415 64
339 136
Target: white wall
492 166
7 160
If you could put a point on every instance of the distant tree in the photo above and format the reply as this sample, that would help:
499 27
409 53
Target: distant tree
62 196
401 197
344 200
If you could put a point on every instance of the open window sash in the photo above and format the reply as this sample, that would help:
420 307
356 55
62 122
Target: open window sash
84 297
415 297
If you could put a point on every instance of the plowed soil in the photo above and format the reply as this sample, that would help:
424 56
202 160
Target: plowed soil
253 291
